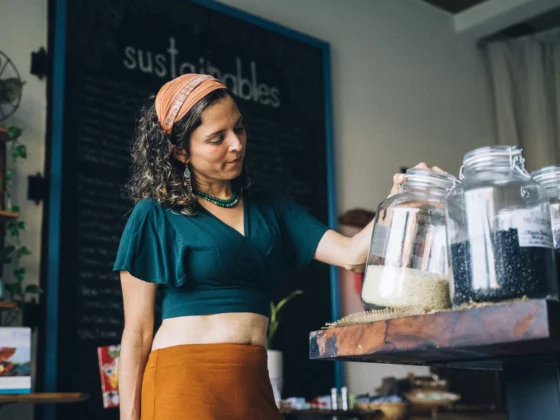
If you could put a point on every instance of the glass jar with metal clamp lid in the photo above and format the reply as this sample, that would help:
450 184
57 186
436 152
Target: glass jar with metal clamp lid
499 230
549 178
407 265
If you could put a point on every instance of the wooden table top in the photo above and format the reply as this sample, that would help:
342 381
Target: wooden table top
44 397
479 338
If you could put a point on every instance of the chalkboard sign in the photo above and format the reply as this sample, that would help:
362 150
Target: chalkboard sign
116 54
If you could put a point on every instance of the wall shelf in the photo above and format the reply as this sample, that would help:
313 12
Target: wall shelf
6 304
6 216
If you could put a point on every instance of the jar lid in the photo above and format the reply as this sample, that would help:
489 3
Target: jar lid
547 173
491 152
428 177
548 177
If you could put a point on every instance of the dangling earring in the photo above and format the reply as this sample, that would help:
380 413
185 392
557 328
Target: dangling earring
188 181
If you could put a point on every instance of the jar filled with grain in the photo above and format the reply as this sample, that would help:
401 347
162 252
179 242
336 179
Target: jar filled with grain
549 178
407 265
499 230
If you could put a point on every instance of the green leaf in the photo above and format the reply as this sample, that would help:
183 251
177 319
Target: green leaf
11 288
287 299
14 209
20 151
15 227
272 312
9 175
19 274
33 289
5 254
14 133
23 250
270 333
7 251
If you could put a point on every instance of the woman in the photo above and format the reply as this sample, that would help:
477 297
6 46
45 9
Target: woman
216 250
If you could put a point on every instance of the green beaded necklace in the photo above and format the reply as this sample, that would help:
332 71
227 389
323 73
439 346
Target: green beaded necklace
227 203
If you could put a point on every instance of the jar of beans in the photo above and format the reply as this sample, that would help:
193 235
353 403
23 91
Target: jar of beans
499 230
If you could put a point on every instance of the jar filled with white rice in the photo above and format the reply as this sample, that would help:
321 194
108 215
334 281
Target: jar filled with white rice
408 263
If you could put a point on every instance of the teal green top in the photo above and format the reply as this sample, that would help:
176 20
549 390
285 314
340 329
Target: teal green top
208 267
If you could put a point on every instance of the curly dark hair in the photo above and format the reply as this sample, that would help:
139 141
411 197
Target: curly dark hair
155 173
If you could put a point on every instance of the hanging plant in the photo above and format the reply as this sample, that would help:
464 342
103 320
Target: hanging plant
14 250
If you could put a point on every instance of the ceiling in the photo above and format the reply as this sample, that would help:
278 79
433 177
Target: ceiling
454 6
537 24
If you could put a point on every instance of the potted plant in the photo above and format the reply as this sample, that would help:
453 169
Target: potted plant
275 359
14 250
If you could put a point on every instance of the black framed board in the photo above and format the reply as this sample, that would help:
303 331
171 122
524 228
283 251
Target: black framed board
110 56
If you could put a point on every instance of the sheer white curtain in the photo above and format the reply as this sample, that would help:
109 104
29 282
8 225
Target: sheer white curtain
525 76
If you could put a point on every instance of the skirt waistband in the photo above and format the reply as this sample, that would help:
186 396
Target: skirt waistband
215 353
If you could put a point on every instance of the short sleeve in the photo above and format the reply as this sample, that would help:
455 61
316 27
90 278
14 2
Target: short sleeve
301 231
149 248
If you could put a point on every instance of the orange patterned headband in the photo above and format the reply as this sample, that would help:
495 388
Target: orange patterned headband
178 96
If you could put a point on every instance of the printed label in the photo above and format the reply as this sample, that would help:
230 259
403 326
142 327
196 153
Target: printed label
534 228
378 241
556 232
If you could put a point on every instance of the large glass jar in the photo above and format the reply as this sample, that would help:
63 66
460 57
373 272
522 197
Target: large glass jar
549 178
499 230
407 265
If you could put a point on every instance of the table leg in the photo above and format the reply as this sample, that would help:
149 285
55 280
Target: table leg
533 390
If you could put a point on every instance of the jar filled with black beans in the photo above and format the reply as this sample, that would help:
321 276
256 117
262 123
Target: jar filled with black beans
549 178
499 230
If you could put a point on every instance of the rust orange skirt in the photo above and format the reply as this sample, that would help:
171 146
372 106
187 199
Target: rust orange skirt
208 382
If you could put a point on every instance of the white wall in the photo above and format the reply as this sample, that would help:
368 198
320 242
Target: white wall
23 29
406 89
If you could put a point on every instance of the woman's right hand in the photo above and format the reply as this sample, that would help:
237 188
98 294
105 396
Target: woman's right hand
136 343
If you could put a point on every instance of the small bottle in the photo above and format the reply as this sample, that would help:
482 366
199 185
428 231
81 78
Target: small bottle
334 398
344 395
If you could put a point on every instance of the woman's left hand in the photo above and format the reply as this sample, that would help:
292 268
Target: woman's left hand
398 179
351 253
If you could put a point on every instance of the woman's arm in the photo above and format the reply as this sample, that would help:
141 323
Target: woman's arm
342 251
351 253
136 343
